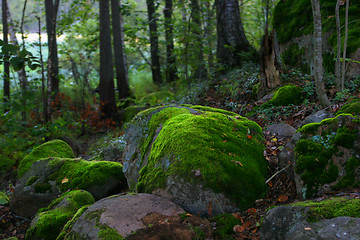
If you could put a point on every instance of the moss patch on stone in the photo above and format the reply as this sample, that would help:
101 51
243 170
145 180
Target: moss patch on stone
352 108
225 151
286 95
82 174
224 225
49 221
322 143
331 208
54 148
130 112
68 226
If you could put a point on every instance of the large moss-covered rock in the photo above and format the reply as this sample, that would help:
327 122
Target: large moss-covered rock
352 107
49 221
286 95
336 218
49 177
54 148
203 158
327 156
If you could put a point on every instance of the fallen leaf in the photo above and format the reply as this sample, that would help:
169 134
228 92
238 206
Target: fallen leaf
274 139
307 228
238 228
282 198
249 137
251 211
65 180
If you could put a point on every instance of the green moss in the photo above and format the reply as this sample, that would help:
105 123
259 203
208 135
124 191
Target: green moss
51 220
131 111
226 150
293 18
4 200
6 163
345 137
349 180
351 108
332 208
310 128
55 148
293 56
82 174
286 95
42 187
31 180
224 225
68 226
107 233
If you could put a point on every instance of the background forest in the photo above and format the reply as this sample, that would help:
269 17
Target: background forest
80 70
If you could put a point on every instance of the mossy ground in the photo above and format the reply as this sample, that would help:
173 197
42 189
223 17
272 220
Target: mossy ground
52 219
286 95
54 148
332 208
224 226
223 151
320 144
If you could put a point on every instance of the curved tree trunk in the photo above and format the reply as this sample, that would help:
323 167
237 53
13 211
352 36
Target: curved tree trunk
231 39
107 90
120 59
318 60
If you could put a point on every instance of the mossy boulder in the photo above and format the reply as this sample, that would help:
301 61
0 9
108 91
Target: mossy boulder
49 221
351 108
156 98
130 112
284 96
335 218
54 148
49 177
202 157
327 156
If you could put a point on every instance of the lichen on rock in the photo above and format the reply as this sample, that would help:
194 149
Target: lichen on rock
197 149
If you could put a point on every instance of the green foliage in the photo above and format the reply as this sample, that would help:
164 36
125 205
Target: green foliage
51 220
352 107
331 208
55 148
224 225
4 200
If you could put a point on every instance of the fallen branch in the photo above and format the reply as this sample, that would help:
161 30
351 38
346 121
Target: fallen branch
277 173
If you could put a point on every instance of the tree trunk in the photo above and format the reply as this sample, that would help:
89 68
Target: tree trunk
209 34
345 46
51 9
318 60
120 59
154 43
198 70
107 91
231 39
170 57
338 50
270 64
6 97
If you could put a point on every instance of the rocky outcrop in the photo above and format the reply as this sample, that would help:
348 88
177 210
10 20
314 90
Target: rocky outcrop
204 159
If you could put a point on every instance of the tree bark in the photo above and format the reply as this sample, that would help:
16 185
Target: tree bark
338 50
171 68
120 59
51 9
107 92
154 43
345 46
231 39
6 97
318 60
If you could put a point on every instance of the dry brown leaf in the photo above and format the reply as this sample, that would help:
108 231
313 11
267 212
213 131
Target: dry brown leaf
65 180
282 198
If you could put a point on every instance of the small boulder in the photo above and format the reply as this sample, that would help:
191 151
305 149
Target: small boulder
201 158
284 96
317 117
336 218
281 130
119 216
49 221
48 178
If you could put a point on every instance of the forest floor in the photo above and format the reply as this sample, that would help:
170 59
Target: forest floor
282 189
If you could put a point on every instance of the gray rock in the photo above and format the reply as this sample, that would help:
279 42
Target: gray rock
124 213
289 223
282 130
317 117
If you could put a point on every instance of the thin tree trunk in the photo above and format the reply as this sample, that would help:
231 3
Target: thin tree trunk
338 50
170 57
318 60
120 59
51 9
154 43
107 91
6 97
209 34
345 46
